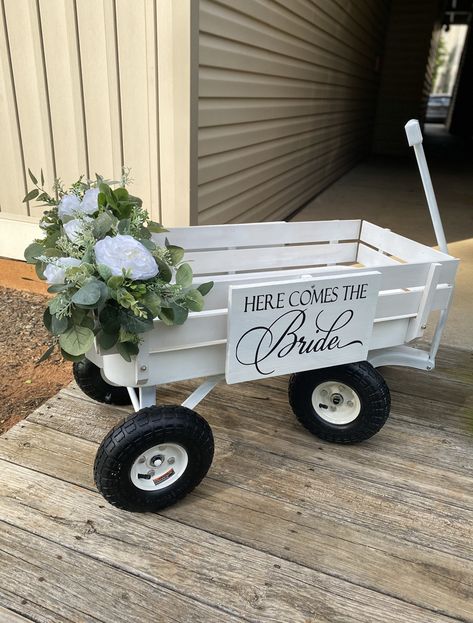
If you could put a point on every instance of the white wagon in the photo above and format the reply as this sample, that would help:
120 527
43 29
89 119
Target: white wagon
328 301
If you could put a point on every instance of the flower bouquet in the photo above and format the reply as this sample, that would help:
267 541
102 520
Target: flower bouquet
110 279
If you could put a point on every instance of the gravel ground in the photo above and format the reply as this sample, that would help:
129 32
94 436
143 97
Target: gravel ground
23 339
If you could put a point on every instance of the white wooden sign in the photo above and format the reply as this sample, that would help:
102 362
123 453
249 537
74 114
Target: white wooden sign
288 326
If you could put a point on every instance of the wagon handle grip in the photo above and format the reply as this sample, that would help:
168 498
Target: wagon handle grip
414 138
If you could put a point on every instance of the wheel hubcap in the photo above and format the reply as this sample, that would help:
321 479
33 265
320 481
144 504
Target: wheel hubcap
336 403
159 467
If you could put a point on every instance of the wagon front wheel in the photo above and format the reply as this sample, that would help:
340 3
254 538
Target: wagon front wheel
343 404
154 458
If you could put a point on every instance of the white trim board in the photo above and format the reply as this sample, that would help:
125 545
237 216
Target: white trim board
16 233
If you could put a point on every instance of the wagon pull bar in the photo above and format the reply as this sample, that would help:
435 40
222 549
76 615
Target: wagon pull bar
414 138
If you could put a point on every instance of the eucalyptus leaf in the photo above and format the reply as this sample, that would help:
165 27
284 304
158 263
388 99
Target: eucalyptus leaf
148 244
195 300
58 287
134 324
156 228
127 350
42 178
184 276
110 319
121 194
124 226
32 251
32 177
176 253
89 294
165 273
107 340
58 325
179 313
47 319
70 357
205 288
152 302
104 271
115 282
167 316
77 340
46 354
39 269
31 195
102 225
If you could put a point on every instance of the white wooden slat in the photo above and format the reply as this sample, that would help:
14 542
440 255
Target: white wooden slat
211 262
64 88
11 164
397 245
100 84
209 360
394 279
259 234
28 75
210 327
371 257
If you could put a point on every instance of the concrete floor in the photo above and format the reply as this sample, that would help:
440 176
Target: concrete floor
388 192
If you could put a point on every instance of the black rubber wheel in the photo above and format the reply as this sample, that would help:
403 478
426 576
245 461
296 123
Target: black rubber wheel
90 381
164 435
343 404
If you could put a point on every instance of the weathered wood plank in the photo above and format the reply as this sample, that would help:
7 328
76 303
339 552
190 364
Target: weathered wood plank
259 586
349 540
439 457
58 584
8 616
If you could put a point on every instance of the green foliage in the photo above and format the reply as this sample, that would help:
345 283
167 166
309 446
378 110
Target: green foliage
91 302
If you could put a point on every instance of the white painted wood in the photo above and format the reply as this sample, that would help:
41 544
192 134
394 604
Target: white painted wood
418 324
289 326
397 245
16 233
197 348
210 262
259 234
371 257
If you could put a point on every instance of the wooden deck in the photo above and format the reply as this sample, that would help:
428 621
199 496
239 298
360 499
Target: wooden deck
285 528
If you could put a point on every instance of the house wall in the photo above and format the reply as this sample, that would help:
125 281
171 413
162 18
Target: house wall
90 86
287 96
406 79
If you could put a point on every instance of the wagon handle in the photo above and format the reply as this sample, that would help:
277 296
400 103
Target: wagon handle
414 138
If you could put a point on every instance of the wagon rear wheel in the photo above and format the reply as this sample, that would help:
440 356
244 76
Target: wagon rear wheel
343 404
154 458
89 379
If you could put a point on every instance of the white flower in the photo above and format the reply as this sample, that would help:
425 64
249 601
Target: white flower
124 252
89 203
56 273
68 206
75 227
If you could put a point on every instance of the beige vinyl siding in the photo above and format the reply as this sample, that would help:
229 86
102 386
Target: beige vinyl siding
287 94
411 43
89 86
